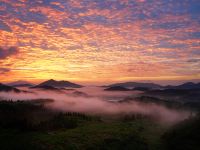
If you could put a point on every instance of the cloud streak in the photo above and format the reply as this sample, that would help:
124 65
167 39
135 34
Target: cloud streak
4 70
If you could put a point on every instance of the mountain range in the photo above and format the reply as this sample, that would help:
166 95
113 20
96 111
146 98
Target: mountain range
187 85
183 95
152 86
136 84
126 86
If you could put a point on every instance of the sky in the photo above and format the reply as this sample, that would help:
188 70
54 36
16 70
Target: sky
99 41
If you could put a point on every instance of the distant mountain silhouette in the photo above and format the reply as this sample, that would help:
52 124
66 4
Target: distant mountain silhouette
20 83
136 84
116 88
187 85
184 95
59 84
6 88
140 89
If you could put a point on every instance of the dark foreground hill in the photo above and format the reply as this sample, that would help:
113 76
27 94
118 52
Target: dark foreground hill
184 136
28 125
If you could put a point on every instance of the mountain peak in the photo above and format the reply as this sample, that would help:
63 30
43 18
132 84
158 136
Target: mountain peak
59 84
51 80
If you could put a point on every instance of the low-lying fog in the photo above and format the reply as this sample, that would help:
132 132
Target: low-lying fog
96 101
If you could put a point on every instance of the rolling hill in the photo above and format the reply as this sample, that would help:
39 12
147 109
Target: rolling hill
59 84
6 88
136 84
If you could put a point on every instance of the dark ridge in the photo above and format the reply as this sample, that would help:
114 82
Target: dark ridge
45 87
23 85
59 84
181 95
137 84
140 89
116 88
20 83
6 88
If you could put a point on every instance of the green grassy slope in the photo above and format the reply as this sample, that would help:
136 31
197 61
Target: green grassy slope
29 126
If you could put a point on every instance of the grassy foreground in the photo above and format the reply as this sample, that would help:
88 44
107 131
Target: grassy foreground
29 126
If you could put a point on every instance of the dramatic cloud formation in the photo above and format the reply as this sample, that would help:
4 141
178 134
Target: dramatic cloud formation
101 40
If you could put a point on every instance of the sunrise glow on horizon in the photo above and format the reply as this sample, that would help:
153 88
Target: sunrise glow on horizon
99 40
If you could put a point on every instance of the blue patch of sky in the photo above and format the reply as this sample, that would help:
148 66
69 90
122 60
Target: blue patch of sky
165 44
34 17
171 25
